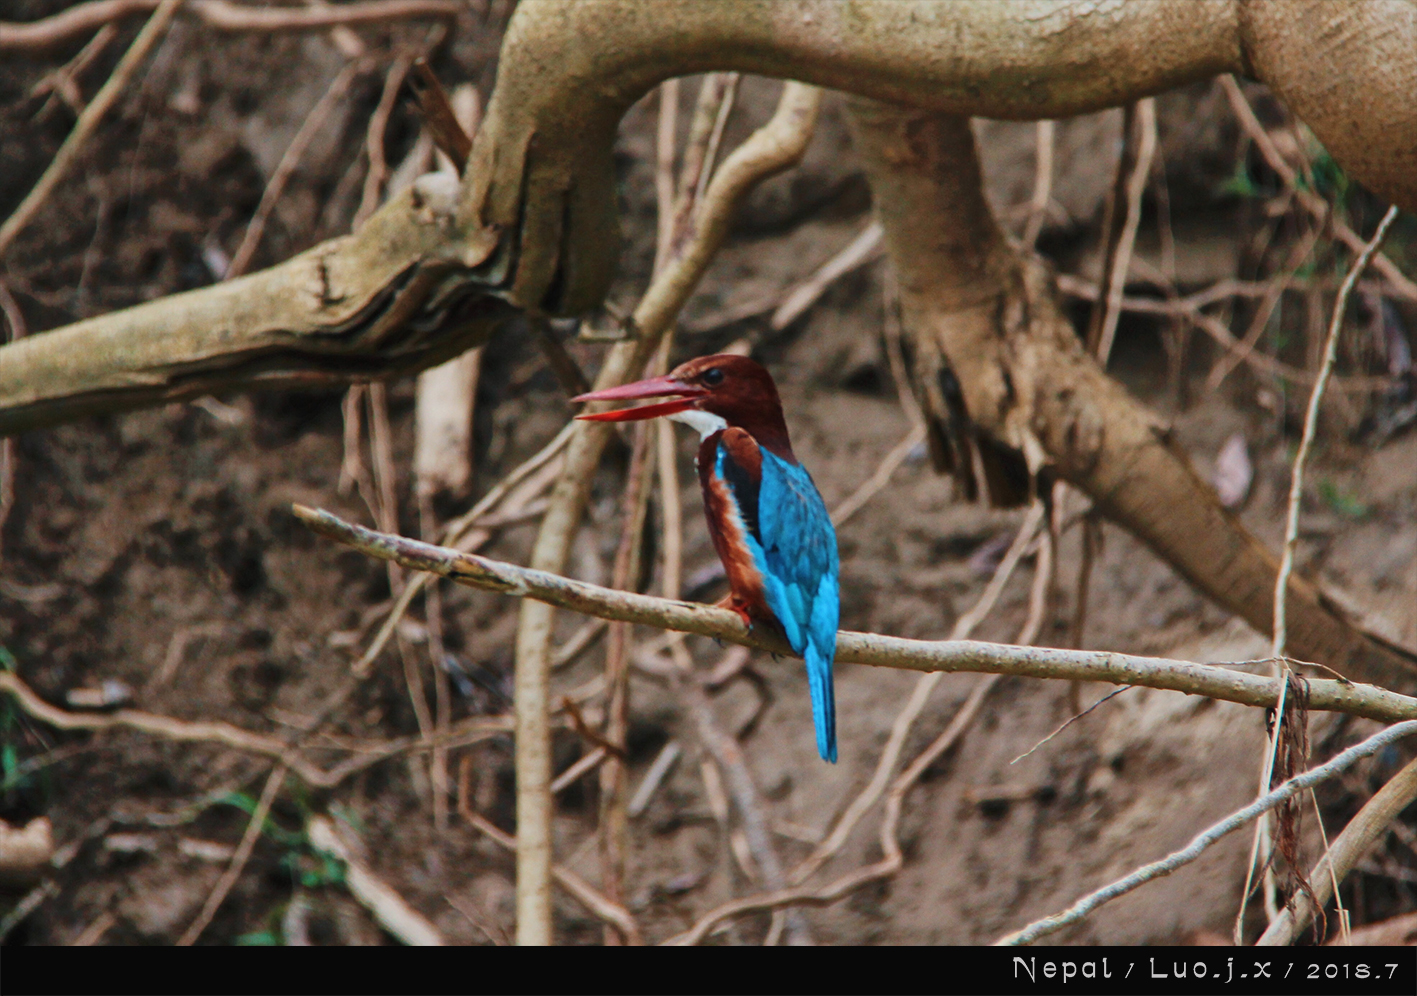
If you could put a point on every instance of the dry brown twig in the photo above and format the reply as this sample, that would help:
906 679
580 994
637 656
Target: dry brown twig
1042 183
1189 308
611 913
1310 201
15 319
63 83
391 910
863 249
1225 365
449 134
221 15
1136 168
365 753
289 162
152 33
374 139
238 861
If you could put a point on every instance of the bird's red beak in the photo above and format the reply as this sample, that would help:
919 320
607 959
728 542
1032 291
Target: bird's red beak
655 387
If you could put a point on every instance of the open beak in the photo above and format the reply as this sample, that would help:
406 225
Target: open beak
655 387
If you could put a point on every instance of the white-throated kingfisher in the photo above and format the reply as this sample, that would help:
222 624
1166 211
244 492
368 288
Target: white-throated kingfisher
768 522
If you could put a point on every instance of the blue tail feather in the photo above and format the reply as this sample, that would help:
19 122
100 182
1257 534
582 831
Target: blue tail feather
819 677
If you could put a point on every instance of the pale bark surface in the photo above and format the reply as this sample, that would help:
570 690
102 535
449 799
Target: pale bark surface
536 214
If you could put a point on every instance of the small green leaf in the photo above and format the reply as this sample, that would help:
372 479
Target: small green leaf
1342 501
258 939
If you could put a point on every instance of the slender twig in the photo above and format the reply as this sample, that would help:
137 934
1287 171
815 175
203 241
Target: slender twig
294 152
664 146
438 116
62 84
1213 681
222 15
1120 256
1070 721
611 913
442 694
579 770
1202 841
1311 421
238 860
391 910
878 480
1311 201
102 102
366 753
1042 183
663 763
1189 308
374 140
861 250
725 108
1298 256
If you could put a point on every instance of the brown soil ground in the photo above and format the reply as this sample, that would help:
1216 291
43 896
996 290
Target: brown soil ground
157 549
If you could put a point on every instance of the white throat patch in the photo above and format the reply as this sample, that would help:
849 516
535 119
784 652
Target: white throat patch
704 423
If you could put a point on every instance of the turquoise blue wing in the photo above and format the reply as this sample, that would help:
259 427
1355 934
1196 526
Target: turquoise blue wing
794 545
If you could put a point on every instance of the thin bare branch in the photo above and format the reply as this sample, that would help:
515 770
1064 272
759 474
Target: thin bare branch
1310 200
238 860
1357 838
222 15
152 33
391 910
611 913
294 152
1189 308
374 140
366 753
1202 841
1119 256
1311 421
861 250
1213 681
1042 183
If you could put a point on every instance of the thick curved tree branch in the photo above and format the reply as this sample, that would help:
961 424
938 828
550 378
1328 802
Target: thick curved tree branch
395 296
1213 681
984 317
540 185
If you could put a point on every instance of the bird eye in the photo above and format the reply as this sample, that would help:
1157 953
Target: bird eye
712 377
